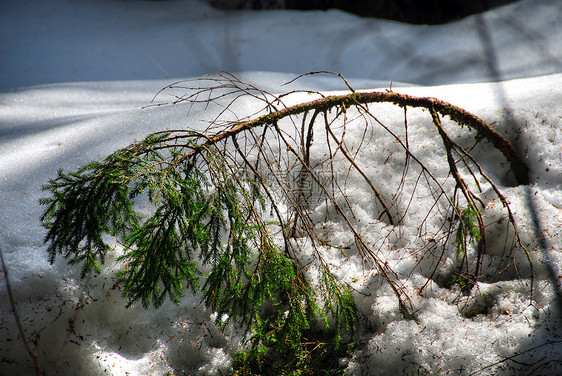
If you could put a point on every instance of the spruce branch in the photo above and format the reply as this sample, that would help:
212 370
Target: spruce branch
210 191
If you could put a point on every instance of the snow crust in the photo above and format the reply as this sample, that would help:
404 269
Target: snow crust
94 40
124 52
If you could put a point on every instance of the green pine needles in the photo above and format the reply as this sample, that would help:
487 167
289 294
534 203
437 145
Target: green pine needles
207 233
468 230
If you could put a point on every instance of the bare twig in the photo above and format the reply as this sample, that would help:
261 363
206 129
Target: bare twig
31 350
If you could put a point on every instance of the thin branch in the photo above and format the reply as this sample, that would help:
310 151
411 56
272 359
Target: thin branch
31 351
457 114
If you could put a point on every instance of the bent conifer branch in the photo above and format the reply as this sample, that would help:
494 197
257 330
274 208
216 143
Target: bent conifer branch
211 190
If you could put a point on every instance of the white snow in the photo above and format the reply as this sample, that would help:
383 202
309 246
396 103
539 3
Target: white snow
96 64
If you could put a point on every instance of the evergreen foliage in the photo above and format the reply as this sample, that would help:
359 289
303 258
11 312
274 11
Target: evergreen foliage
207 232
467 231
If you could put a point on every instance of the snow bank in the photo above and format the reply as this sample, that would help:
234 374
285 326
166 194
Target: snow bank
68 125
95 40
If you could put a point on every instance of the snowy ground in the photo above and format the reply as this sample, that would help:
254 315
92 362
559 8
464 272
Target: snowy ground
99 62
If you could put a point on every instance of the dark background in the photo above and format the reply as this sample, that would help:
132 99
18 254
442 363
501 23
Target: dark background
410 11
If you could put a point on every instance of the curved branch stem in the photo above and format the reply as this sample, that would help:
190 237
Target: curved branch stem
456 114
